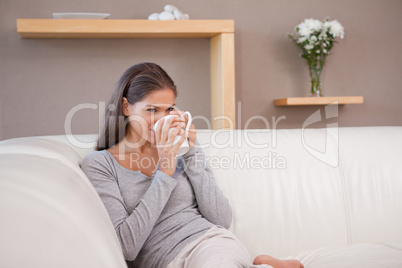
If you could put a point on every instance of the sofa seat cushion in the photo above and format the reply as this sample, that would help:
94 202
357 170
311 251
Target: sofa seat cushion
367 255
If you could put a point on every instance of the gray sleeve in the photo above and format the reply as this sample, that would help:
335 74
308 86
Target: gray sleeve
213 205
132 227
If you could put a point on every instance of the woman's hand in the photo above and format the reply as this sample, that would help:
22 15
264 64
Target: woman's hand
192 132
165 134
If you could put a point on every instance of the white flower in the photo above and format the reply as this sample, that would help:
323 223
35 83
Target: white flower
308 47
303 30
302 39
316 38
313 25
336 29
326 25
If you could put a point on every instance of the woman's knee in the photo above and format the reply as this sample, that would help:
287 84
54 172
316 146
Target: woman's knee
259 260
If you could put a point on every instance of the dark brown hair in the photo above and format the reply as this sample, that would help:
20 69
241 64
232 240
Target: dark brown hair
135 84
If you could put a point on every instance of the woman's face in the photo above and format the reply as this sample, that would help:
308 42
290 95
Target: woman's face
144 114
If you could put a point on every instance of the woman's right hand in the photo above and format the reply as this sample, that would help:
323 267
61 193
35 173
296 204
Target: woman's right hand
164 137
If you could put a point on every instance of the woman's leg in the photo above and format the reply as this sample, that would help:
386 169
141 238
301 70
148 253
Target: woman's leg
219 248
266 259
219 251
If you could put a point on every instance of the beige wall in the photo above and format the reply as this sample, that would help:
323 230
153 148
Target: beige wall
42 80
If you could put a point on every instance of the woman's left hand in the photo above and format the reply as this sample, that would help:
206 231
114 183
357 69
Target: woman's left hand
192 132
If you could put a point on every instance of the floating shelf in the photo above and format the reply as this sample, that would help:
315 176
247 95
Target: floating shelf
220 33
319 100
73 28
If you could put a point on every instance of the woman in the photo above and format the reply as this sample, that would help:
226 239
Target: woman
167 210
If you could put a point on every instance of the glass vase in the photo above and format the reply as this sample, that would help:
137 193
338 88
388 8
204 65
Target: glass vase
316 88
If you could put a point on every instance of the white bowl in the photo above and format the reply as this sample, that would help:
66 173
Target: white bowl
81 15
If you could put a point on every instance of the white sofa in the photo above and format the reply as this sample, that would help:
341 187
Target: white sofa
329 197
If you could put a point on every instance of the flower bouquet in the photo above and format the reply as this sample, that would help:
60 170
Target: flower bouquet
316 39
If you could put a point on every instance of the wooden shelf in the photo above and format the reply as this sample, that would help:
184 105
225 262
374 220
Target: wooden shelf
220 33
337 100
51 28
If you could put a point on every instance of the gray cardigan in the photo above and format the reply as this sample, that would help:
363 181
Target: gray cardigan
155 218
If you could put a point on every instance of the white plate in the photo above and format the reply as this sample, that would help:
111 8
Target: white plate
81 15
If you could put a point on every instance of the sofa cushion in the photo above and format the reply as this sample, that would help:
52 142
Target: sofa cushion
82 144
42 147
367 255
370 167
50 216
284 200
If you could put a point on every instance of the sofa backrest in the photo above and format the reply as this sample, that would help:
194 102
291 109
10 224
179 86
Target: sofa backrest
285 200
311 188
301 189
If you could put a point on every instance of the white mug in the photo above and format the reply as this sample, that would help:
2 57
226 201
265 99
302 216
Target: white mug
185 146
